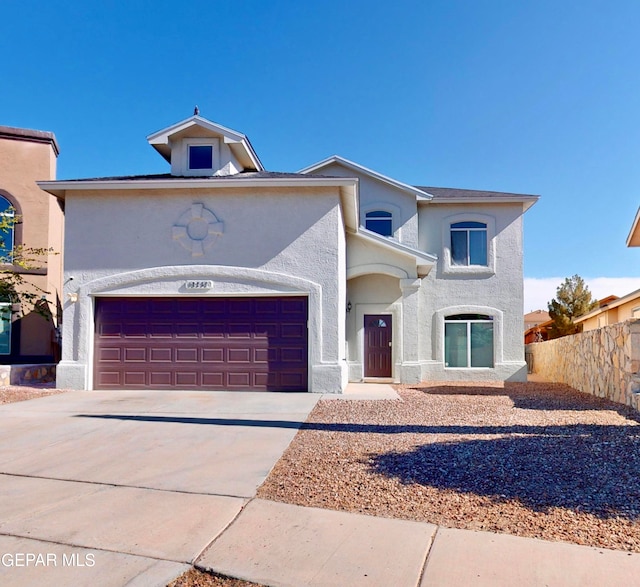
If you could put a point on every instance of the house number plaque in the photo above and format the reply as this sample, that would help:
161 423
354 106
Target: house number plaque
198 285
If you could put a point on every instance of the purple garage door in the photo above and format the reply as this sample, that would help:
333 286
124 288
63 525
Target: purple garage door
243 344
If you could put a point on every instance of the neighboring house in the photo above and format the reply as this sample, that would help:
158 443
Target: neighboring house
536 326
611 310
221 275
534 318
25 157
614 309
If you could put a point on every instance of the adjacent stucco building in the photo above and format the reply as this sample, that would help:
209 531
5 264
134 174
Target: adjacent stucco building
25 157
221 275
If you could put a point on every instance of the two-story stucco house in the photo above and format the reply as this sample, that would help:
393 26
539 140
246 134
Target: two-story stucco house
37 221
220 275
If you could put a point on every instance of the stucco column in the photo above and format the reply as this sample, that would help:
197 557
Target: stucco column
411 324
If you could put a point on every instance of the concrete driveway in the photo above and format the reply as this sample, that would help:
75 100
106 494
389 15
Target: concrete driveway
115 488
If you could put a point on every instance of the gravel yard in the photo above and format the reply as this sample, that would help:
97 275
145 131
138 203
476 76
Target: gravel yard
531 459
19 393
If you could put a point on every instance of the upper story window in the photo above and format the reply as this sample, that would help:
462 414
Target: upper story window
201 157
7 236
469 243
379 221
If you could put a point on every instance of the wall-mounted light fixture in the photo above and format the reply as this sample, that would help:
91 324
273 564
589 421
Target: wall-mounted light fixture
349 307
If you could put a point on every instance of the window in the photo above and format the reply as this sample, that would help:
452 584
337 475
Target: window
5 328
469 243
468 341
379 221
7 213
200 157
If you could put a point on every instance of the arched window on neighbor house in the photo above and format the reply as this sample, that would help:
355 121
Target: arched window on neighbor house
7 234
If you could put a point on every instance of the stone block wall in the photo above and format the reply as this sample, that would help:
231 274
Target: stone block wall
603 362
27 374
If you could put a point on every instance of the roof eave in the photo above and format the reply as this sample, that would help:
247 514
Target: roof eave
526 201
633 240
424 261
60 187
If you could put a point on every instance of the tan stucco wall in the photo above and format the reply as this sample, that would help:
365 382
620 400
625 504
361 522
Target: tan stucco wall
22 163
609 316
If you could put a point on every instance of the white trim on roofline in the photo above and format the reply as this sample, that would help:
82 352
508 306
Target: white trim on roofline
635 228
414 191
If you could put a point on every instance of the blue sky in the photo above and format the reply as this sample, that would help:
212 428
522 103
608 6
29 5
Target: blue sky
538 97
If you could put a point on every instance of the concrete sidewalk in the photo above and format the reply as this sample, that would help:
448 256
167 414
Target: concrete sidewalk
290 546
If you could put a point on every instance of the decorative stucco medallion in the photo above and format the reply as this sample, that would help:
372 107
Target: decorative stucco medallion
197 229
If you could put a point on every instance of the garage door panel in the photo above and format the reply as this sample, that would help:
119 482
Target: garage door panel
294 306
161 378
134 329
134 378
161 306
135 355
110 378
239 356
187 355
293 331
110 355
201 343
291 380
187 330
267 306
187 378
292 355
160 330
240 306
213 380
110 330
160 354
213 355
241 379
213 329
242 330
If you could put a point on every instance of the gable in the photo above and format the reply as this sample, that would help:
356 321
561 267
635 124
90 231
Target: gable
198 147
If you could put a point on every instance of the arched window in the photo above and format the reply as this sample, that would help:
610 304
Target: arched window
7 237
379 221
468 341
469 243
